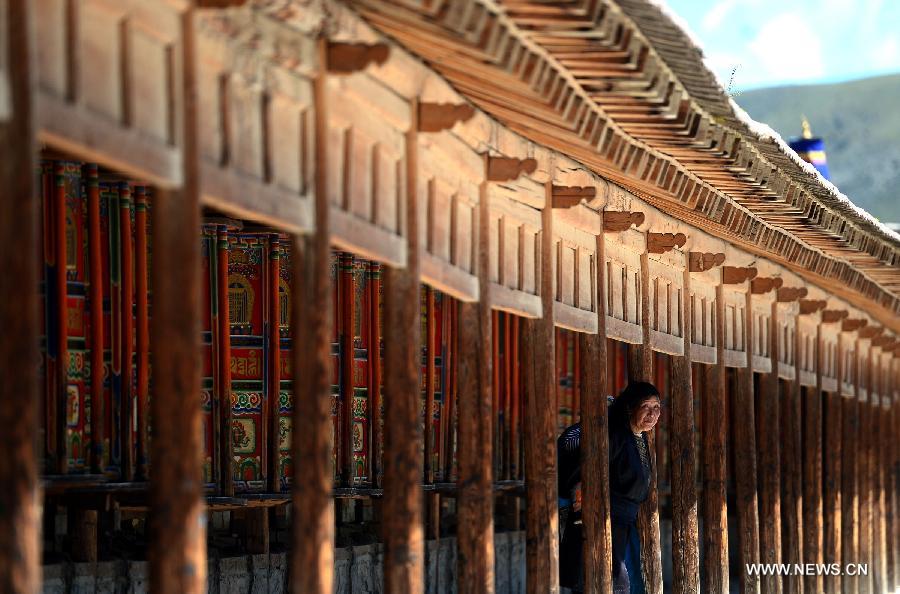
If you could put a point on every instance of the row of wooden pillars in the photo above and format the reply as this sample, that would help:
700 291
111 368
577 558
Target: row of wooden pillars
178 544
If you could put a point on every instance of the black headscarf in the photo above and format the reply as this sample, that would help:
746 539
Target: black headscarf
631 398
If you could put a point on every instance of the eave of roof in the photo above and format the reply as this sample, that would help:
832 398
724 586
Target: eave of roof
626 113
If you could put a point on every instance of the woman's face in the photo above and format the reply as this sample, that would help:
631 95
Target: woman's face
646 415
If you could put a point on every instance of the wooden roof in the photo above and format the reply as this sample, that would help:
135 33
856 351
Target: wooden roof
621 88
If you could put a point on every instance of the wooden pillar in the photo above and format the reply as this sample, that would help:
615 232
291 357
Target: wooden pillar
743 423
475 500
769 463
641 368
177 549
83 527
538 346
791 424
223 385
682 446
404 544
813 522
312 506
864 466
894 476
95 250
142 332
849 494
832 550
714 427
256 536
595 444
881 572
20 519
126 284
59 383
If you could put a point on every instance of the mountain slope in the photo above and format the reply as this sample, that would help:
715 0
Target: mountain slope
860 123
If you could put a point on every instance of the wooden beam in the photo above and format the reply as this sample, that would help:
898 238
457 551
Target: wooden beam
435 117
475 525
501 169
312 507
347 58
569 196
177 548
769 430
714 436
616 222
870 332
659 243
732 275
404 543
595 385
538 345
20 499
703 261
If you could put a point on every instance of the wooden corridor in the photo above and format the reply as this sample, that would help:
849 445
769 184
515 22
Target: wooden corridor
456 149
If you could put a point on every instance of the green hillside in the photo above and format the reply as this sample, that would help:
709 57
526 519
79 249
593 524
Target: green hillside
860 123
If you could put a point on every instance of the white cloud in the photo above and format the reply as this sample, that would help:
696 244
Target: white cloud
886 54
716 15
786 48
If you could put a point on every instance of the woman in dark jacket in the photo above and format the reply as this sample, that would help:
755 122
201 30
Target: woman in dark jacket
631 415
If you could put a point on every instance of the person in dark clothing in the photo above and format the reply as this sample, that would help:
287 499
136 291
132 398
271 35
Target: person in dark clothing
631 416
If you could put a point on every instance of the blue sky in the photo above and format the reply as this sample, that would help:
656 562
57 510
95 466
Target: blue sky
760 43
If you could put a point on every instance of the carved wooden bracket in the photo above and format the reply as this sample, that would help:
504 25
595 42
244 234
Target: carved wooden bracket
871 331
660 243
830 316
852 325
500 169
761 285
789 294
569 196
734 275
616 222
703 261
885 342
434 117
808 306
347 58
219 3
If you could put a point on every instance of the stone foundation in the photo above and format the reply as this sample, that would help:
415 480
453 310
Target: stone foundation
357 570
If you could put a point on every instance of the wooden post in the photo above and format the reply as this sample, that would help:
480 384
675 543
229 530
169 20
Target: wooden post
126 283
256 536
274 379
83 525
346 326
177 549
61 379
312 506
403 533
223 393
813 522
849 493
769 463
832 552
641 368
744 425
142 331
881 439
539 432
595 444
863 466
683 455
791 431
20 497
95 250
474 372
715 510
375 462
